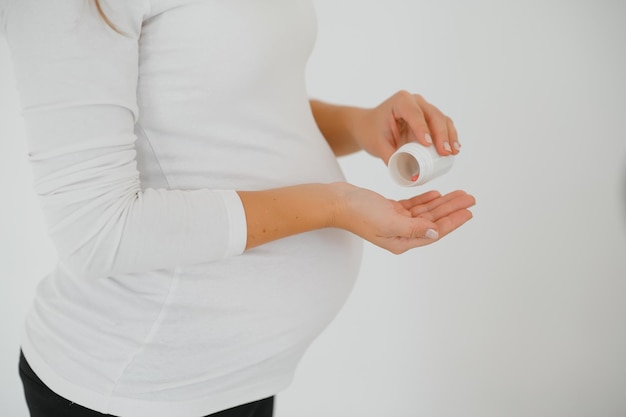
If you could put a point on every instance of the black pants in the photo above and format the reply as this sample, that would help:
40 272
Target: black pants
43 402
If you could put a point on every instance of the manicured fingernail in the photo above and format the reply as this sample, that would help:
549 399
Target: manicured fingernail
446 146
431 234
428 138
457 146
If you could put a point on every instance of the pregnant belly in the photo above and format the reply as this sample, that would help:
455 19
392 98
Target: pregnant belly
288 290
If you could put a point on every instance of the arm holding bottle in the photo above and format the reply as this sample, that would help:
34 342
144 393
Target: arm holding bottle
393 225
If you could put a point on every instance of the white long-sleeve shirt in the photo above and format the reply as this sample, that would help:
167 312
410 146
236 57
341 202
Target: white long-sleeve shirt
137 144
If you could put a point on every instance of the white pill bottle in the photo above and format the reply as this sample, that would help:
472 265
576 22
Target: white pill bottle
414 164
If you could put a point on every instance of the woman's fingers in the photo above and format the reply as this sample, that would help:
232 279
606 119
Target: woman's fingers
427 123
454 137
419 206
443 206
445 225
453 221
406 109
421 199
438 125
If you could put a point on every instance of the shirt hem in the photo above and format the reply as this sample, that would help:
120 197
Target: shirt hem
127 407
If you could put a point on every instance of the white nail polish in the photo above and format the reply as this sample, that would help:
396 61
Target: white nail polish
447 147
431 234
457 146
428 138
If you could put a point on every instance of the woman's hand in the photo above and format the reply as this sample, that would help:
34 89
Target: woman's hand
402 118
401 225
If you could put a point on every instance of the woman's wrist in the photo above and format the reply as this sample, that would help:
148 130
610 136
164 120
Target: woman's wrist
339 205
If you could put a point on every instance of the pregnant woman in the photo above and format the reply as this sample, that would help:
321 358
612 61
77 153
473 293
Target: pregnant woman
205 233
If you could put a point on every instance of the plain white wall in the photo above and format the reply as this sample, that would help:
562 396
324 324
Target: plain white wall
522 311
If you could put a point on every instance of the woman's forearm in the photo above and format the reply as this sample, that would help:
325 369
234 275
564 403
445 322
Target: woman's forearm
337 125
281 212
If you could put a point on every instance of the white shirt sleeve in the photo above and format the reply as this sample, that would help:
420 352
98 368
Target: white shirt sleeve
77 80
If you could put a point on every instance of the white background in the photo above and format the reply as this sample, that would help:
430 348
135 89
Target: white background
522 312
